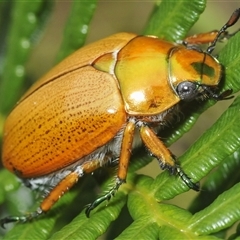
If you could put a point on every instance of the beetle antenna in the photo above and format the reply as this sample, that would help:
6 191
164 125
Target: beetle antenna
232 20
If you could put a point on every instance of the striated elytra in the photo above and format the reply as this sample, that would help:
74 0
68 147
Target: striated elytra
85 111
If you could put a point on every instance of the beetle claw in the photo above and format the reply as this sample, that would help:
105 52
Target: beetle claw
107 196
21 219
11 220
187 180
91 206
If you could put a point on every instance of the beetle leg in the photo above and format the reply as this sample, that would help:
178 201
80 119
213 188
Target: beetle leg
163 154
201 38
122 167
48 202
58 191
214 36
208 37
125 151
21 219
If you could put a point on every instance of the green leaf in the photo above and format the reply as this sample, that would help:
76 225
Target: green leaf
230 58
154 220
62 213
172 20
8 184
90 228
199 160
76 27
142 228
217 182
222 213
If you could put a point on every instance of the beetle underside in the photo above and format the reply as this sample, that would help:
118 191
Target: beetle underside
103 156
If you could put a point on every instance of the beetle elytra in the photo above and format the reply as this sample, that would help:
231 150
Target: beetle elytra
85 111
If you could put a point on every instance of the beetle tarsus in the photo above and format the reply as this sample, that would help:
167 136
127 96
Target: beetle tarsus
187 180
7 220
13 219
232 20
21 219
105 197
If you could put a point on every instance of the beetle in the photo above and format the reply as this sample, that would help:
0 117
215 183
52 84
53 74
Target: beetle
85 111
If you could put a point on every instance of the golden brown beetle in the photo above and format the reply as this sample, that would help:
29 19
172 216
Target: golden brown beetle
84 112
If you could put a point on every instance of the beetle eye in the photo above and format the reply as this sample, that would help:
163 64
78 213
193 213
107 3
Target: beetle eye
187 91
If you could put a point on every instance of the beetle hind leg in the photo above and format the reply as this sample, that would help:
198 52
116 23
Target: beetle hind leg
22 219
64 185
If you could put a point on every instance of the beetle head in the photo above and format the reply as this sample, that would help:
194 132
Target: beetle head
189 91
194 74
208 69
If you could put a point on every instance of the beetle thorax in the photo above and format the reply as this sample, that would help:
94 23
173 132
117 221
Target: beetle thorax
141 70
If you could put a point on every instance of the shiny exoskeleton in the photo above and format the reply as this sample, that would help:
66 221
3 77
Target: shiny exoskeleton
85 111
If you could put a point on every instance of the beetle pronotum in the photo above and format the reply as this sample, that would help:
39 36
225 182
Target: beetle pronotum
85 111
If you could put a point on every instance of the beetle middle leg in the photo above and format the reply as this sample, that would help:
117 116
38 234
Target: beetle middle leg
156 147
122 167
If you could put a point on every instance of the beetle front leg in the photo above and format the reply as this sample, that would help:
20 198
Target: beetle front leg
207 38
214 36
201 38
164 156
122 167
